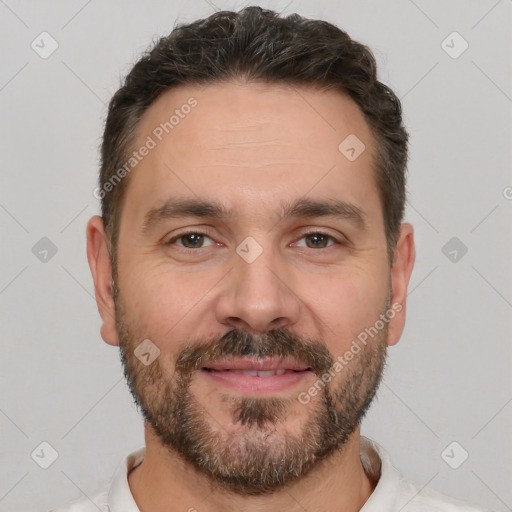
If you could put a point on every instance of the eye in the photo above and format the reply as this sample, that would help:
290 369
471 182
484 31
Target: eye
318 240
198 240
191 240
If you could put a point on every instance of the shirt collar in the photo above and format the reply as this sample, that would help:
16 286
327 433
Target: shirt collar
120 498
375 460
377 465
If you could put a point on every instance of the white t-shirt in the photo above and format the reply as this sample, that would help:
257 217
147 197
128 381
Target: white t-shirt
393 492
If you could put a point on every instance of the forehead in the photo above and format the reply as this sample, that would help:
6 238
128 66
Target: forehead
249 143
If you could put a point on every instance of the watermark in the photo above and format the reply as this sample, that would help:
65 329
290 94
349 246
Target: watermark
44 45
249 250
146 352
351 147
149 144
304 397
454 455
454 249
44 455
454 45
44 250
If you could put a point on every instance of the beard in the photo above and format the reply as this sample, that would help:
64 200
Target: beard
255 454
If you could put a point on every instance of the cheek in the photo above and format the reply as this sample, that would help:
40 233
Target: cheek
162 302
346 305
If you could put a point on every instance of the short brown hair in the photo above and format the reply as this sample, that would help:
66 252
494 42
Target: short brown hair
256 44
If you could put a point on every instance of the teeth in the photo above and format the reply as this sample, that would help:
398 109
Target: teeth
267 373
259 373
248 373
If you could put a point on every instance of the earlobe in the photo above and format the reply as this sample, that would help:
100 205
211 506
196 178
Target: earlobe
100 264
403 263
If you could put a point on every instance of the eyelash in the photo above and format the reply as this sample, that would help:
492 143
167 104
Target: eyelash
194 232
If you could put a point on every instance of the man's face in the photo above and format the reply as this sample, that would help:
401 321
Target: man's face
277 282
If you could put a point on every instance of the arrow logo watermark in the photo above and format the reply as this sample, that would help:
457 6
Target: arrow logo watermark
454 249
454 455
146 352
249 250
44 250
351 147
44 455
454 45
44 45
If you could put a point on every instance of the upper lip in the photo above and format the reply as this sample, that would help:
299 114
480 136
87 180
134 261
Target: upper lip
267 364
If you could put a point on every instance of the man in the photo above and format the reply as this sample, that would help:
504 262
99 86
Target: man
252 265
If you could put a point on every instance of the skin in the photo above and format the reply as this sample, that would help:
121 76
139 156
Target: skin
255 146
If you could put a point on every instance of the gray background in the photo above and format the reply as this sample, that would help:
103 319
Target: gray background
448 379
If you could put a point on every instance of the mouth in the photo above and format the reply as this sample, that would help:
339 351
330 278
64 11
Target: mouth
256 376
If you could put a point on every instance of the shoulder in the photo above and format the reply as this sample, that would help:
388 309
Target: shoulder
395 492
97 503
413 498
117 493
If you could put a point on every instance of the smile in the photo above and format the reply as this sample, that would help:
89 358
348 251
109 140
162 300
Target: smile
256 376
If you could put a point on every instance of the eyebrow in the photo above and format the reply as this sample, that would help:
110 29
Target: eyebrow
179 207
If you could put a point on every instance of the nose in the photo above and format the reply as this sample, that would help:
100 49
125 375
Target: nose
258 297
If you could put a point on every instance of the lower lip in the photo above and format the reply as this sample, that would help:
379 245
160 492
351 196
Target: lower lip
248 383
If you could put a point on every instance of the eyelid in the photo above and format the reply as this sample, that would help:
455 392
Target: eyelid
319 231
204 232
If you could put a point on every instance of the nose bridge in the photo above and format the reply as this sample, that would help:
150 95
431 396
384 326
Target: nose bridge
256 296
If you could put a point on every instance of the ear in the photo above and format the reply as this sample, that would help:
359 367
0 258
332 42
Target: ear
403 263
101 268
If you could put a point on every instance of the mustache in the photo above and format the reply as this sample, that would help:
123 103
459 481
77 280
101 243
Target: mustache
278 343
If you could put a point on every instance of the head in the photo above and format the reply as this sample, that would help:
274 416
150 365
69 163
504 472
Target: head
253 189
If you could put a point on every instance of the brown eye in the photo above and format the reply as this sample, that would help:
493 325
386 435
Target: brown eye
192 240
318 240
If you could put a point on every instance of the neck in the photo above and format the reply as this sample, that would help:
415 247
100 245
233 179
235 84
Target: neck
165 482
